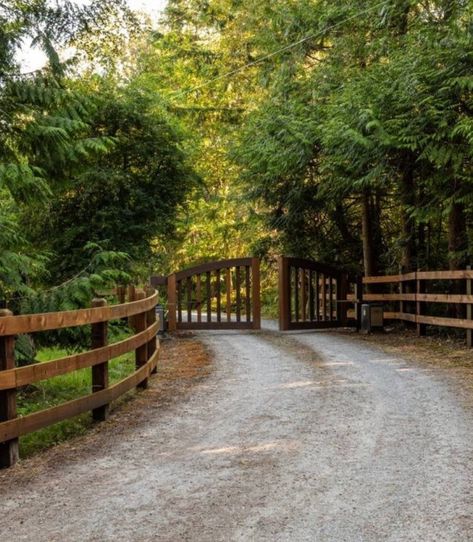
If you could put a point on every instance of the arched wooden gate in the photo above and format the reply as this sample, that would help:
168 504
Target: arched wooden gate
216 295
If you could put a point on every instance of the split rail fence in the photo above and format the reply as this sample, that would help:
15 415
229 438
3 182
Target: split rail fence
140 310
424 298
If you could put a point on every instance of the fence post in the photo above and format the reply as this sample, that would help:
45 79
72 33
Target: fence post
284 290
402 291
342 293
359 300
121 292
469 310
420 289
139 324
100 371
172 324
131 296
150 320
9 451
255 292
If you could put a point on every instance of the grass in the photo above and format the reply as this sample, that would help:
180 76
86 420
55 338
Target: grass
52 392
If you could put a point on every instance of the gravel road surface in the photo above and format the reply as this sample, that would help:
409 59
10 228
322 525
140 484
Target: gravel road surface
293 437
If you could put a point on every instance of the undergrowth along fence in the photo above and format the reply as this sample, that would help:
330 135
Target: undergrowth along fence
140 311
436 298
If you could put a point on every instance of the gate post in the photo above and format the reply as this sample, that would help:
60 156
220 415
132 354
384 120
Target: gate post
172 325
256 296
284 301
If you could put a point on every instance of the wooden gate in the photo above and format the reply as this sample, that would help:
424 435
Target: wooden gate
314 295
216 295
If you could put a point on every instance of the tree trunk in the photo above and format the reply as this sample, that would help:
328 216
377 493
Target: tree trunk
457 237
408 237
457 247
367 229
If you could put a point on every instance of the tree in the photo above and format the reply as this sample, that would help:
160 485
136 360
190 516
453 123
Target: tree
124 200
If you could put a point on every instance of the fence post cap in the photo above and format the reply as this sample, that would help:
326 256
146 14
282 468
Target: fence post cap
5 312
99 302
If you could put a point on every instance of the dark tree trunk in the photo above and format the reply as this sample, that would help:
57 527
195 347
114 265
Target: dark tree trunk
457 237
408 202
457 248
367 230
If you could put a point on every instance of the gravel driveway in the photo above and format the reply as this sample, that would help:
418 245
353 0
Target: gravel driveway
301 436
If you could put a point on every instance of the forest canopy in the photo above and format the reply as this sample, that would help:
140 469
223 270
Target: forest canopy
341 132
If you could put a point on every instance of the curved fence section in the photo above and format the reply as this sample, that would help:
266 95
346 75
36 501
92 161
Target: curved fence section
140 311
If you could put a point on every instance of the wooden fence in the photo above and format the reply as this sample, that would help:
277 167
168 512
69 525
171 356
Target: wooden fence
140 311
420 293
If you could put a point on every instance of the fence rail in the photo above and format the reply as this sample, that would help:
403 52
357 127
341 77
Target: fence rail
415 294
140 310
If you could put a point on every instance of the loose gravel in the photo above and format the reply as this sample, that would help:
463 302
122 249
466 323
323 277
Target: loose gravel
293 437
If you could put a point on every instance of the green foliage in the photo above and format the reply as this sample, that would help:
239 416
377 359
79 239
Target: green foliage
84 158
57 390
380 104
129 197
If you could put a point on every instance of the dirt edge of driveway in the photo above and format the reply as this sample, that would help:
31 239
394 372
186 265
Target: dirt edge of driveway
184 362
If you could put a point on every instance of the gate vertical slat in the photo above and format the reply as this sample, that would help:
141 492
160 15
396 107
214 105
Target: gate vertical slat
296 293
323 299
189 298
311 295
179 301
330 297
228 285
238 293
303 295
218 293
247 293
209 297
198 296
